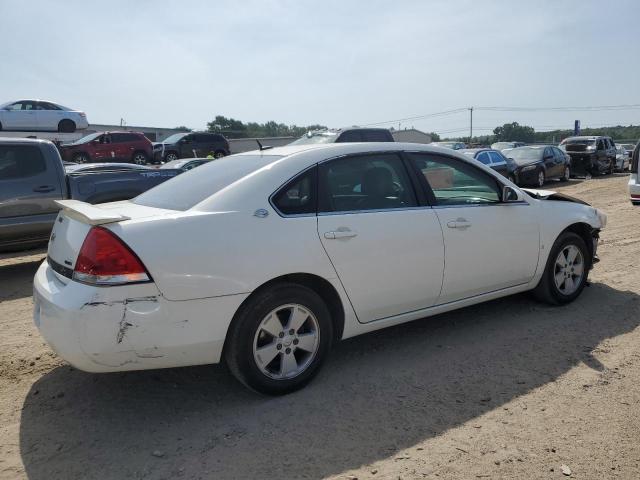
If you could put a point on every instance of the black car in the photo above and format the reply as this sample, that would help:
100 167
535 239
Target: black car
590 155
345 135
535 164
190 145
495 160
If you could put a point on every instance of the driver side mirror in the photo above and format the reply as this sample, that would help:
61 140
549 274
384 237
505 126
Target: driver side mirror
510 195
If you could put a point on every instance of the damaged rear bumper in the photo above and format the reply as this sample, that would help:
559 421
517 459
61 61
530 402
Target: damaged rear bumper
133 327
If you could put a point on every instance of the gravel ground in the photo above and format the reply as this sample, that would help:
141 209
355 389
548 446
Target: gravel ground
507 389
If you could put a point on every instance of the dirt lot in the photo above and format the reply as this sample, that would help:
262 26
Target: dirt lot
508 389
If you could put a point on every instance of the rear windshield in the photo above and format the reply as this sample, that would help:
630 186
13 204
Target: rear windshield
312 138
188 189
524 154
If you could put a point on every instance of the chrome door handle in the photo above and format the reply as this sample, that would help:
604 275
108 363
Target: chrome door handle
339 234
460 223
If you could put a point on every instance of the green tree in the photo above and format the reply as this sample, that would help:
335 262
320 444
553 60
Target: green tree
514 132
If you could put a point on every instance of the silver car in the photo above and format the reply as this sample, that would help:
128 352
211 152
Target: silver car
39 115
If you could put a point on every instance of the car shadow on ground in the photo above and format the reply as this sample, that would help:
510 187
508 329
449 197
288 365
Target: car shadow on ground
378 394
16 279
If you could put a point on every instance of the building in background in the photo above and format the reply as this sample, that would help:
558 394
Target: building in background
410 135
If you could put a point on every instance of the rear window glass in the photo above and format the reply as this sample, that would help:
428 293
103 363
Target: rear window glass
20 161
188 189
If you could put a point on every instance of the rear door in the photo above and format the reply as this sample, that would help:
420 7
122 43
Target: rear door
48 115
28 188
121 146
386 247
489 245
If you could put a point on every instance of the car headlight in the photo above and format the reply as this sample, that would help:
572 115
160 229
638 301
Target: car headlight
528 168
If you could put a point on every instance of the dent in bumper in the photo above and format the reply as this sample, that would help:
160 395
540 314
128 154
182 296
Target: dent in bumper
102 329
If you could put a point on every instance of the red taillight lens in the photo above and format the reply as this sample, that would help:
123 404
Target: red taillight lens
104 259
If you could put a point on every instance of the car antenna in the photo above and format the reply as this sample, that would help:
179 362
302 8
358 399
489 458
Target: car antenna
266 147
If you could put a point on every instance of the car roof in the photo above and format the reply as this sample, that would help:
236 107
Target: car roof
22 140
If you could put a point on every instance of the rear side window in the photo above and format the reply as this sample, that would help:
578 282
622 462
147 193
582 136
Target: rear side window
298 197
376 136
364 182
20 161
349 136
496 158
483 157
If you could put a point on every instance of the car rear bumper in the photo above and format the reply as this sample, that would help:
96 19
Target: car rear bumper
634 189
108 329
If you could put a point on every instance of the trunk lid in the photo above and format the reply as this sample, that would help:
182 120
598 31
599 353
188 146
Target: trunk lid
76 219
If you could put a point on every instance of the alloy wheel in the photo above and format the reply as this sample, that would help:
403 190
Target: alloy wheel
286 341
171 157
567 173
568 270
540 178
139 159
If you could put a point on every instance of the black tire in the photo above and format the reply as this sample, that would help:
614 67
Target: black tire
66 126
170 156
566 175
0 127
139 158
219 154
541 179
82 158
239 346
547 291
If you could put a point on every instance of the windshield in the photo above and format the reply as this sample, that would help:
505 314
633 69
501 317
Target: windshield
174 138
578 141
525 154
86 139
188 189
316 137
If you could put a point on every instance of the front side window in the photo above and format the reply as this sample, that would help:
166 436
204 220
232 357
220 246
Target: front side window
365 182
455 182
298 197
20 161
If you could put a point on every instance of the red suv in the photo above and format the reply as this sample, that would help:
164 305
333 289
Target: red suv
129 147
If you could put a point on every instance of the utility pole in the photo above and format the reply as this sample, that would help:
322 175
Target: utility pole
471 125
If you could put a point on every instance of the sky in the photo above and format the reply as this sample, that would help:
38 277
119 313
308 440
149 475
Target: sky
337 63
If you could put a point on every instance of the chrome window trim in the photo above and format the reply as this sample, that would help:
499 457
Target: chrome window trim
375 210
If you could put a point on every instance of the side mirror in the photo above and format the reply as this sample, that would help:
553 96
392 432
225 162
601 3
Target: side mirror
510 194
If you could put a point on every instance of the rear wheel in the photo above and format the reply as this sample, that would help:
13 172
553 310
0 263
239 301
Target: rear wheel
139 158
565 274
66 126
566 175
612 167
81 158
279 339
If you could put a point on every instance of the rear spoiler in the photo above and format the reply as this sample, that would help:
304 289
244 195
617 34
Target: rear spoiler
87 213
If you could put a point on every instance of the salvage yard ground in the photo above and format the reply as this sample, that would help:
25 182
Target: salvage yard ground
506 389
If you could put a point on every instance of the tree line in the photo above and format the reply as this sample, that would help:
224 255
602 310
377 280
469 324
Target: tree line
232 128
514 132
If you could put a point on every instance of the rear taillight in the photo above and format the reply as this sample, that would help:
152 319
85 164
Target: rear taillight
104 259
82 114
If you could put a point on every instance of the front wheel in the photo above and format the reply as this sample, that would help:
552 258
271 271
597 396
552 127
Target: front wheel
565 274
81 158
540 179
279 339
171 156
566 175
219 154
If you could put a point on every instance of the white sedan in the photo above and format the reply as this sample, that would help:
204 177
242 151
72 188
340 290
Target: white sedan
39 115
265 259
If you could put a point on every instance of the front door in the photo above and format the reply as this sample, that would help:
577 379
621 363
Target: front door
489 245
386 249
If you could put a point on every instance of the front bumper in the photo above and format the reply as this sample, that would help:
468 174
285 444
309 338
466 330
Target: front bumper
582 164
133 327
527 177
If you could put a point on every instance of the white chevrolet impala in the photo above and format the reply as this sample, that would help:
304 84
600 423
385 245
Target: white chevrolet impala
265 259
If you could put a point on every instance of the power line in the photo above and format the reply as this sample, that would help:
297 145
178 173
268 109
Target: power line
599 108
417 117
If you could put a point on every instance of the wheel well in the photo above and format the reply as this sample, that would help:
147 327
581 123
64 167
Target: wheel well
319 285
584 230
